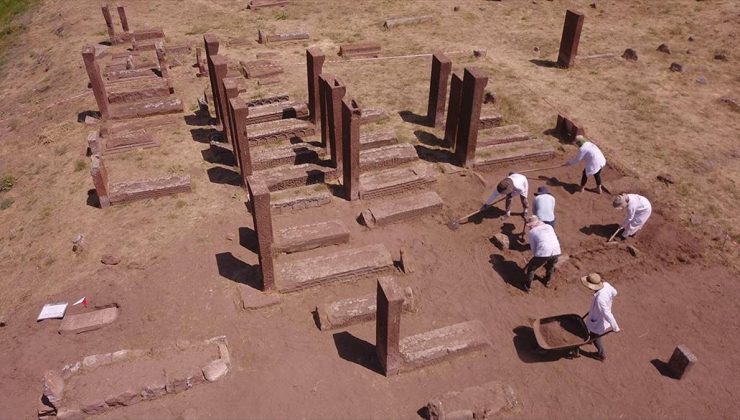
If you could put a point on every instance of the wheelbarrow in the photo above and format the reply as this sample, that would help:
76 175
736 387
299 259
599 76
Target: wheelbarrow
566 332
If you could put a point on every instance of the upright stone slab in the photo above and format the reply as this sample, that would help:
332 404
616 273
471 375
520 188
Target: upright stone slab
453 110
314 64
211 48
681 361
441 68
570 39
122 15
163 65
230 90
96 80
336 93
109 23
567 128
474 82
324 95
351 114
388 325
100 180
259 196
238 114
220 68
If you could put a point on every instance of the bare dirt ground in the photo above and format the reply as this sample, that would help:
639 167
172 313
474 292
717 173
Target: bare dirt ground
183 256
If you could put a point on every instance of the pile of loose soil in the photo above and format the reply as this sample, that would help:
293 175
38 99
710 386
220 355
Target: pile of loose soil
559 332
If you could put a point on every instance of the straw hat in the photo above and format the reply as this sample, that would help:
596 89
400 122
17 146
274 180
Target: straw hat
505 186
592 281
533 221
580 140
620 201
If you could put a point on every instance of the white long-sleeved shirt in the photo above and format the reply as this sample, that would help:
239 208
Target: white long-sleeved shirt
589 152
521 187
544 207
600 318
639 210
543 241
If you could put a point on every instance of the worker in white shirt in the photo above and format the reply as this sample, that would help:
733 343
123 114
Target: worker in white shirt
546 249
600 319
639 210
595 161
544 206
514 184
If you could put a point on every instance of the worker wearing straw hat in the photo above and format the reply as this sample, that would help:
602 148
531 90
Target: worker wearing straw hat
639 210
595 161
514 184
599 319
546 249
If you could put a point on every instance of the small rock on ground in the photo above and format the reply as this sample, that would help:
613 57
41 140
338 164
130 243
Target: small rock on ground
664 48
630 54
215 370
108 259
677 67
501 241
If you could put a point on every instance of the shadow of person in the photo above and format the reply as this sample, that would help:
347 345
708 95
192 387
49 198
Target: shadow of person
357 350
555 182
413 118
489 213
508 270
527 349
516 239
605 231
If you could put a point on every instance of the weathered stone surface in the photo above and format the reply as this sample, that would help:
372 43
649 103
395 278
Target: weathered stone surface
304 237
489 119
108 259
453 110
96 407
300 198
126 398
387 156
259 199
501 241
146 108
260 69
259 4
497 155
350 149
123 142
441 69
474 83
284 177
681 361
370 115
664 48
388 325
487 401
139 190
630 54
269 156
285 129
153 390
89 321
394 181
399 209
677 67
256 299
281 97
501 135
377 139
277 111
444 343
137 90
570 38
411 20
263 37
567 128
360 49
345 312
408 263
344 265
69 413
53 387
215 370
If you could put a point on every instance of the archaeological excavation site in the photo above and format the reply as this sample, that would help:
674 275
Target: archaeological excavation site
369 209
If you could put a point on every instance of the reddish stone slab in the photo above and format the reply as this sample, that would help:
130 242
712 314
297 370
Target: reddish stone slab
570 38
487 401
284 177
137 90
314 64
474 84
100 180
453 110
345 312
442 344
259 197
263 37
152 188
259 4
279 130
489 119
305 237
400 209
567 128
96 80
441 69
256 299
370 115
351 149
503 134
500 155
389 305
394 181
260 69
272 99
168 105
75 324
300 198
360 49
132 140
387 156
681 361
270 156
276 111
410 20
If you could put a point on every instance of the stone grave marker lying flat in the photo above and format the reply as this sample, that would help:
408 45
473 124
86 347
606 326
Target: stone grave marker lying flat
345 312
304 237
360 49
179 49
127 74
263 37
137 90
284 177
271 156
260 68
503 154
110 128
259 4
276 111
122 192
294 199
75 324
169 105
387 156
267 82
369 115
411 20
489 119
444 343
403 208
377 139
278 130
394 181
487 401
103 382
345 265
281 97
501 135
120 142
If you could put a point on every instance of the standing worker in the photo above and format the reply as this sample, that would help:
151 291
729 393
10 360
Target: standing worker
513 184
546 249
600 319
544 206
595 161
639 210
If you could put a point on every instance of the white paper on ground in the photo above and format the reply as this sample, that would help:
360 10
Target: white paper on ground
82 299
52 310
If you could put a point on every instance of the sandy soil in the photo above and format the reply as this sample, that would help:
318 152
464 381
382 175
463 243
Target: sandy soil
183 256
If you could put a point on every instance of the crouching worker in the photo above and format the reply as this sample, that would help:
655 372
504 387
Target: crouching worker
639 210
514 184
546 249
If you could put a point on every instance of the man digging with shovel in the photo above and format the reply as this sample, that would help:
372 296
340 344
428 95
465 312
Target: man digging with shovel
595 162
514 184
639 210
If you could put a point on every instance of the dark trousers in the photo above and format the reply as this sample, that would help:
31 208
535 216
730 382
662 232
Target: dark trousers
599 343
597 177
535 263
551 223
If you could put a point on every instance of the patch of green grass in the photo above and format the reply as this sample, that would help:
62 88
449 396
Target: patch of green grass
6 203
8 10
7 182
281 15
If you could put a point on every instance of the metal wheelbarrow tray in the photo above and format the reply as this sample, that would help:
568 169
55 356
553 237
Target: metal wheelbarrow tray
561 332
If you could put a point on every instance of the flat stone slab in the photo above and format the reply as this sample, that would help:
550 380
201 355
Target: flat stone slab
372 115
256 299
263 37
394 181
151 188
168 105
499 155
377 139
487 401
257 69
295 199
132 140
502 135
272 99
345 265
137 90
284 177
75 324
410 20
403 208
271 156
259 4
127 74
345 312
360 49
275 131
304 237
387 156
276 111
442 344
489 119
111 128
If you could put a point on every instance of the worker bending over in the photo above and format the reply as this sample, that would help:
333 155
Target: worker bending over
514 184
546 249
595 162
638 212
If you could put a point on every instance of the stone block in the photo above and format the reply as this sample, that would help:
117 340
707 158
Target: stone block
360 49
394 181
90 321
153 390
489 119
407 261
125 398
370 115
403 208
263 37
69 413
387 156
314 64
567 128
487 401
300 198
501 241
281 97
503 134
377 139
96 407
441 69
284 129
570 38
499 155
53 387
410 20
269 156
168 105
442 344
345 312
277 111
215 370
305 237
473 86
681 361
260 69
139 190
259 4
293 176
388 325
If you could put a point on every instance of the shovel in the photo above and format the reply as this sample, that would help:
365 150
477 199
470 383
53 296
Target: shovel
455 223
614 234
